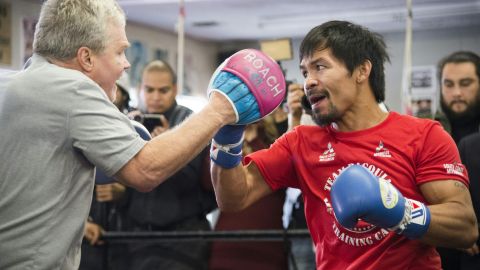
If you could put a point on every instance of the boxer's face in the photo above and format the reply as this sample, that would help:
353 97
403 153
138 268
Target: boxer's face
460 88
158 90
109 65
328 85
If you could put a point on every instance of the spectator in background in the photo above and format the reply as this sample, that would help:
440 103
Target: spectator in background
423 108
265 214
107 211
459 75
279 117
301 250
299 108
469 148
122 99
180 203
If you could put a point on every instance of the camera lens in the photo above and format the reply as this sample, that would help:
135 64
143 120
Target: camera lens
138 118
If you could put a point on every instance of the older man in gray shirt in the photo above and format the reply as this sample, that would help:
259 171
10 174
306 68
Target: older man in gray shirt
58 123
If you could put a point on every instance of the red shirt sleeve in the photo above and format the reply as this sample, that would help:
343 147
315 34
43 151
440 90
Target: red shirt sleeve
275 163
438 158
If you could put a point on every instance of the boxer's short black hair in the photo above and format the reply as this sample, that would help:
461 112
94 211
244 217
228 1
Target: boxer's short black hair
352 44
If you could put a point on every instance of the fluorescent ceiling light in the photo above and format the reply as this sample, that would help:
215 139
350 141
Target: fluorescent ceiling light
397 14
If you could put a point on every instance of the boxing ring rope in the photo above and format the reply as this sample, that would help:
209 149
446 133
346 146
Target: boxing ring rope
188 236
112 238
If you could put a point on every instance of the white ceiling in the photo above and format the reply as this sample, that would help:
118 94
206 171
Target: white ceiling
230 20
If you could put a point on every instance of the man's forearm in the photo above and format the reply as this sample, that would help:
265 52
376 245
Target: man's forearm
167 153
452 225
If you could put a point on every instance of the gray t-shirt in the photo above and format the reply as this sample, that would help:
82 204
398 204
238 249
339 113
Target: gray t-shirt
56 125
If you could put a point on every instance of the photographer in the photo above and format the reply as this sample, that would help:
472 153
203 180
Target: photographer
181 202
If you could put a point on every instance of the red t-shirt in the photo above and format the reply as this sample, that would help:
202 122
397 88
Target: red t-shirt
406 150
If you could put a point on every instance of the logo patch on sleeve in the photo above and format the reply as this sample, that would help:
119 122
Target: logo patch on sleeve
454 168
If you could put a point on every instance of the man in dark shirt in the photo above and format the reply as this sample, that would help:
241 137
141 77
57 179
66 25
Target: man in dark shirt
180 203
459 75
469 148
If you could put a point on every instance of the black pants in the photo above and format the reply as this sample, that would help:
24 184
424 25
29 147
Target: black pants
453 259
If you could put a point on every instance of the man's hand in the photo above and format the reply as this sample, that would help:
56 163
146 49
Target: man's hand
160 129
109 192
294 99
294 103
474 250
93 232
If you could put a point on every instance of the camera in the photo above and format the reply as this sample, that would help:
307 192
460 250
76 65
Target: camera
306 104
150 121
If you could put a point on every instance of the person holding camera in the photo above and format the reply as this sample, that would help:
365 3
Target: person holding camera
107 211
182 201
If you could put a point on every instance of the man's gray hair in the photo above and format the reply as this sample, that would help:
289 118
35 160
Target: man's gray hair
67 25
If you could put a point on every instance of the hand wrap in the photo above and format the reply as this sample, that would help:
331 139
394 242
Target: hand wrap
226 148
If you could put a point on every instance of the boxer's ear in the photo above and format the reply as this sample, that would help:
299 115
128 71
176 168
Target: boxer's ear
364 70
84 58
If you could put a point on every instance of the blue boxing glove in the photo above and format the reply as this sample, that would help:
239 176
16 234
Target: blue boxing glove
358 194
226 148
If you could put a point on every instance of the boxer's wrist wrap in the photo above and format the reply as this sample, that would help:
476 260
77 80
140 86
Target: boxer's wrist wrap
226 156
226 148
415 222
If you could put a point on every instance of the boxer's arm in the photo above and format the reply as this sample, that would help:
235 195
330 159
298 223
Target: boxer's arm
447 221
239 187
453 223
170 151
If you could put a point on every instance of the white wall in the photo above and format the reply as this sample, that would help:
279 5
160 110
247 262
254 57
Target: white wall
427 49
201 56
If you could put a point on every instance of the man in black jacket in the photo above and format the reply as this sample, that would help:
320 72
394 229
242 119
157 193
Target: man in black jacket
469 148
181 202
459 75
